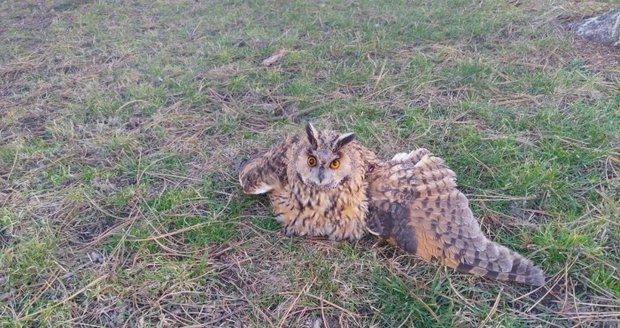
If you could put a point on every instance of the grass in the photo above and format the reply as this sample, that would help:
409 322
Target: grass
122 127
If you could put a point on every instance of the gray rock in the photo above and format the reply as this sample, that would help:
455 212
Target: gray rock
603 28
96 257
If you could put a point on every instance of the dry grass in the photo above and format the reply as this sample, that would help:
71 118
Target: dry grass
122 127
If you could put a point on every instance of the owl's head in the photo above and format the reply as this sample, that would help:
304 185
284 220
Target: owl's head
325 160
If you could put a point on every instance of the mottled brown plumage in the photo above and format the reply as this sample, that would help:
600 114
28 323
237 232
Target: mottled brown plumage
329 185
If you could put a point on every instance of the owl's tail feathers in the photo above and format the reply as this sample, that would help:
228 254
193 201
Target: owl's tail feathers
420 209
498 262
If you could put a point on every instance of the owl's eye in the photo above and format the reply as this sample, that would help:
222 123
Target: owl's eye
334 164
311 161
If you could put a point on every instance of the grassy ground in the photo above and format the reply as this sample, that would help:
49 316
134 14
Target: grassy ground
122 126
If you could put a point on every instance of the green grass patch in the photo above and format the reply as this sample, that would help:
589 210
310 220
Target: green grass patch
399 303
206 231
124 127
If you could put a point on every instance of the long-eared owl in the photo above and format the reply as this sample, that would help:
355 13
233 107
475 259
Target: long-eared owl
327 184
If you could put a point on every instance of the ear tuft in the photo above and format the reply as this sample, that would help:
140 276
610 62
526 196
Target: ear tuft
312 135
344 139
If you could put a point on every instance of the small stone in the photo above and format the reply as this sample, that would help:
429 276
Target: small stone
95 257
6 297
103 186
603 28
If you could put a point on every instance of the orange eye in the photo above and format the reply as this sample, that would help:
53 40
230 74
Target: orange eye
311 161
334 164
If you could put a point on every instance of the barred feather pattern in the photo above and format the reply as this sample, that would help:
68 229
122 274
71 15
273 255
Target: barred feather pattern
414 204
337 213
412 201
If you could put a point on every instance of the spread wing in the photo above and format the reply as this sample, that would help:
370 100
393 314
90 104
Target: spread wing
266 171
414 204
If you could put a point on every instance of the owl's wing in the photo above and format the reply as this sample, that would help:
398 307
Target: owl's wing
266 171
414 204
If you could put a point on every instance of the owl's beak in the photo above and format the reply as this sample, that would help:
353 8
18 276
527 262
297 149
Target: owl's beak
321 174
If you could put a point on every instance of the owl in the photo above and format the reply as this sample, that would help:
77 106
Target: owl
327 184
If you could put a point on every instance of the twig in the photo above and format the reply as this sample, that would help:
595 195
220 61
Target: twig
550 289
493 309
13 166
74 295
131 102
172 233
303 291
320 299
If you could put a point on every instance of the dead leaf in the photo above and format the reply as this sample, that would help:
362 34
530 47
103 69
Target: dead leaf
277 55
494 218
